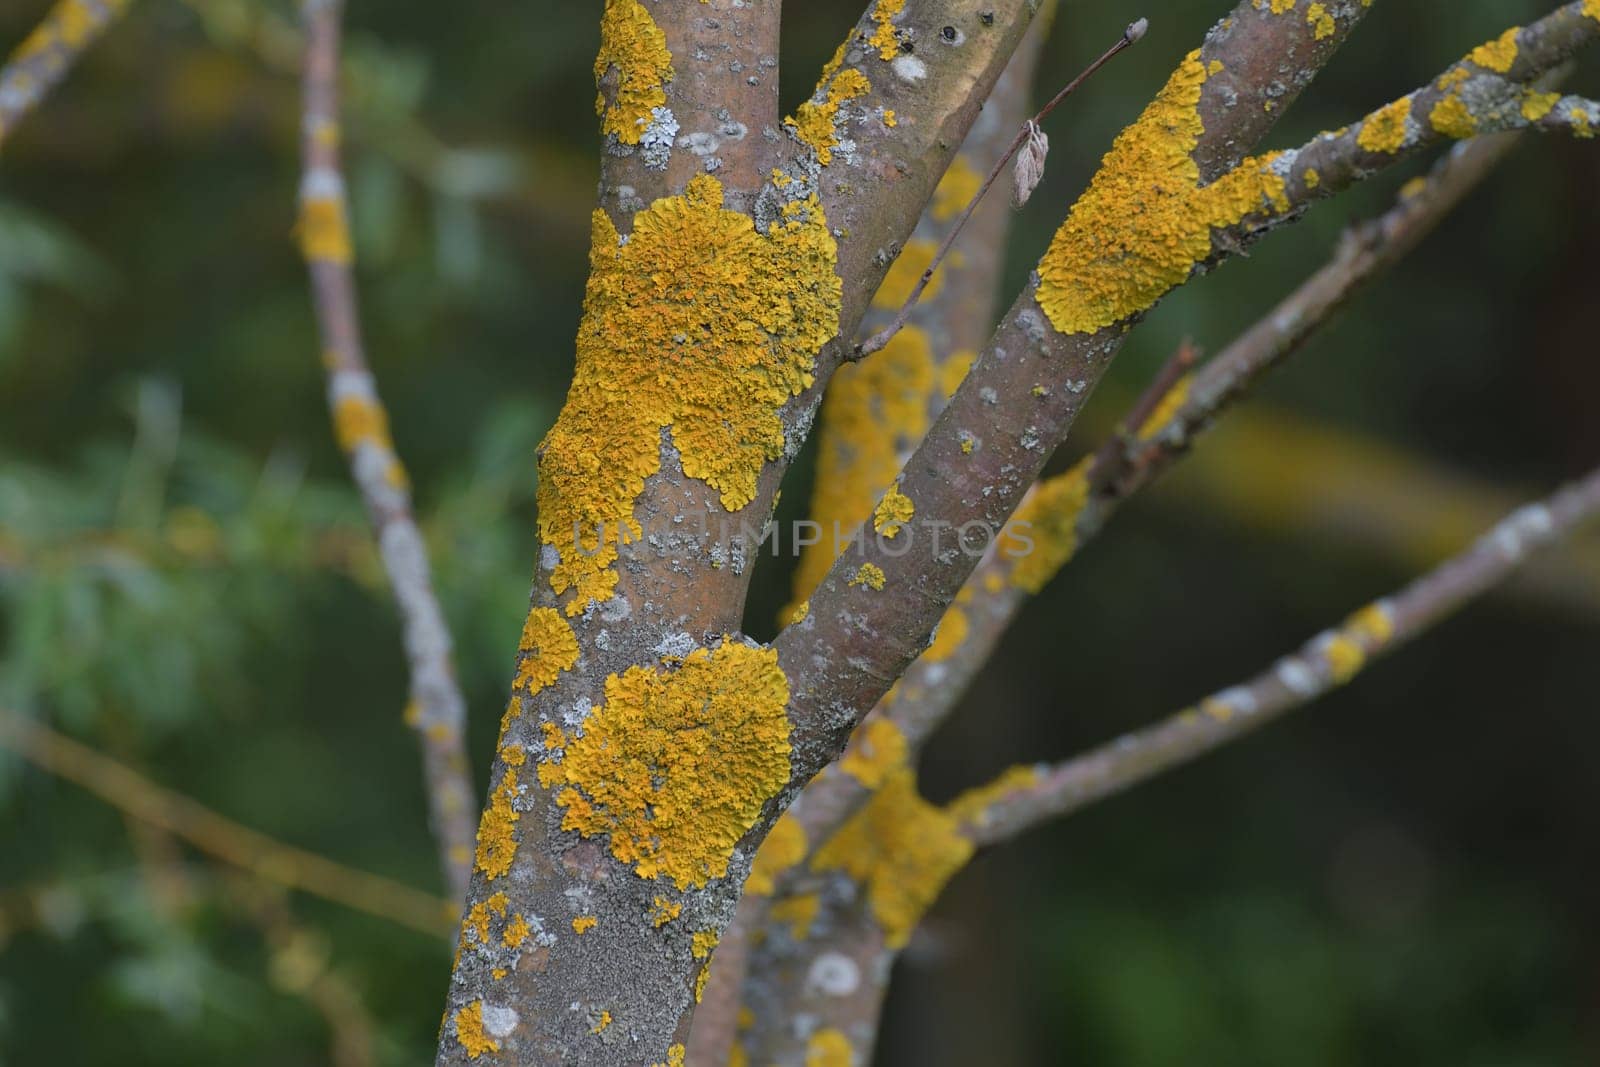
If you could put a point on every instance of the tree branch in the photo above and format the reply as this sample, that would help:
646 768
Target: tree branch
1330 659
220 837
1068 510
438 710
1111 260
47 53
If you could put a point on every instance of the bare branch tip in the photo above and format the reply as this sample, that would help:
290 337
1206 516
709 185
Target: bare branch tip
1136 30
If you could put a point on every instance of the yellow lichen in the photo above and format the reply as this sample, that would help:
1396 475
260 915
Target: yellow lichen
907 270
971 806
815 122
953 371
323 231
1374 624
1592 9
481 914
470 1032
676 764
829 1048
675 1056
1278 7
1581 123
956 189
784 847
892 512
1312 178
874 753
359 420
1451 117
948 637
883 37
1536 105
1145 221
497 840
797 913
663 911
584 923
1052 509
1385 129
1413 188
1172 402
516 932
703 943
701 326
799 614
874 411
1344 658
631 42
1498 55
601 1023
902 849
870 575
547 648
554 736
1321 22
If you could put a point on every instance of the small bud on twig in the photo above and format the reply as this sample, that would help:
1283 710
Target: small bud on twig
1135 30
1030 164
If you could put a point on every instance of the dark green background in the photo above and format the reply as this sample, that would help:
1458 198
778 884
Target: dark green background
1402 875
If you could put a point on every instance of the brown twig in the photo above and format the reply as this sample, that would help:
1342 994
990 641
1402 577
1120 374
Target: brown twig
1328 660
220 837
438 710
45 56
1114 456
877 341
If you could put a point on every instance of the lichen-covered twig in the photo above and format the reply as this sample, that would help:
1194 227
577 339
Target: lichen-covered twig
1142 227
1171 198
1067 510
873 415
219 837
47 53
824 977
1330 659
437 710
1027 131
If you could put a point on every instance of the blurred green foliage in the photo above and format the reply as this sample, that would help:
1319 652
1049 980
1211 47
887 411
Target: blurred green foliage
186 581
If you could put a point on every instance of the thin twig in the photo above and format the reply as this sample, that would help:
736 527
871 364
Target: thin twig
46 54
221 837
1328 660
877 341
438 710
1116 453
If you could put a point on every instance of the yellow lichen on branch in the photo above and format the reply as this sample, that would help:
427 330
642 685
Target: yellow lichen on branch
874 753
815 122
1385 129
1145 221
497 842
699 325
547 648
893 512
676 764
874 410
631 42
829 1048
470 1032
1051 513
902 849
784 847
1497 55
883 36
